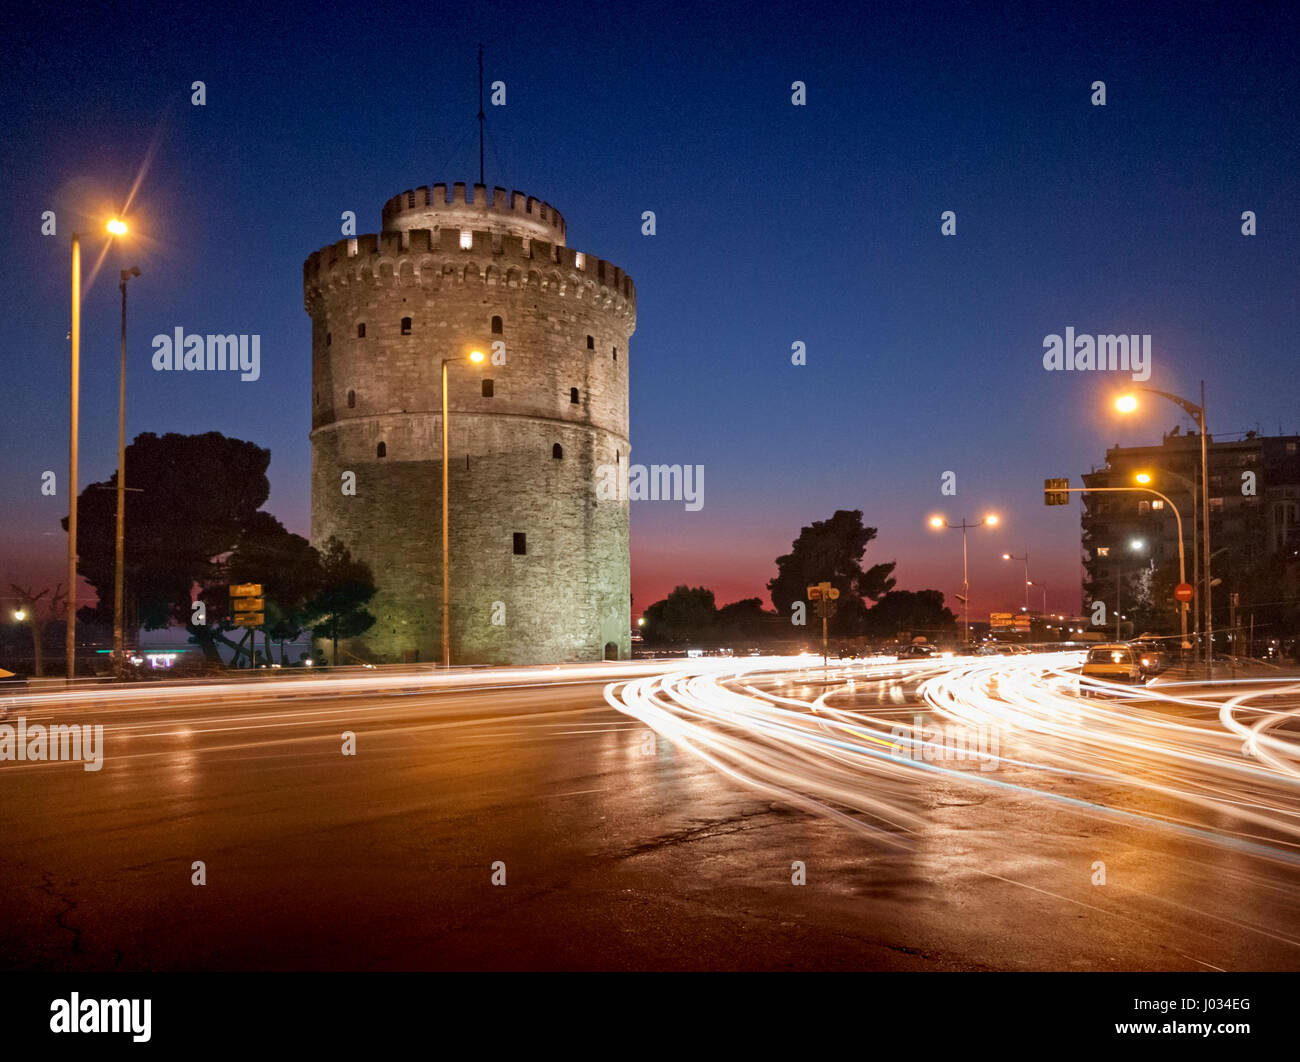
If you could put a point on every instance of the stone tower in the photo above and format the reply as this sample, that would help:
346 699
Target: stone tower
539 556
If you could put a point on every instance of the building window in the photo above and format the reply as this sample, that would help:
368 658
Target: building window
580 261
328 339
1103 551
521 544
352 400
406 326
381 450
591 342
497 326
1144 507
615 349
1157 504
573 395
488 389
466 239
557 452
361 331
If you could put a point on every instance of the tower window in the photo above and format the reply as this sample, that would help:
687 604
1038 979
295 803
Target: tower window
328 338
573 395
406 326
615 349
591 342
557 452
521 544
497 327
361 331
488 389
352 400
381 450
466 239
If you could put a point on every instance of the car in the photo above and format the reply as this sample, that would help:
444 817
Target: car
1116 662
923 652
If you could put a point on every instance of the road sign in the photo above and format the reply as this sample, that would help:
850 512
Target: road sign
1056 491
814 593
245 589
250 604
250 619
1183 591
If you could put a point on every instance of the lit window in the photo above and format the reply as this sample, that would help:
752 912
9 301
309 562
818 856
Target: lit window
521 544
1103 551
466 240
406 326
1157 504
580 260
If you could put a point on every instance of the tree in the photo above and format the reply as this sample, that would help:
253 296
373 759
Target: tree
30 602
741 620
190 498
685 615
831 550
338 610
290 571
910 612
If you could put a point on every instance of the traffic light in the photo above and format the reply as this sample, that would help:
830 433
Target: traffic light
1056 491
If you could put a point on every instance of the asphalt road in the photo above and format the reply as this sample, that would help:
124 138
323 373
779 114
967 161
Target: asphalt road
622 850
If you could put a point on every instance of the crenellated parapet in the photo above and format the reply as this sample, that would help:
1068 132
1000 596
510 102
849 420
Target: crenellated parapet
454 258
430 207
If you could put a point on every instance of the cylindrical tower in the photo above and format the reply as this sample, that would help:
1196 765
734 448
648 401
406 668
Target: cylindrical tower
538 433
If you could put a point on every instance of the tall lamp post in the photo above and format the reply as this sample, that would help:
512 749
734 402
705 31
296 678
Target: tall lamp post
476 358
1028 584
1127 404
1134 545
119 636
939 522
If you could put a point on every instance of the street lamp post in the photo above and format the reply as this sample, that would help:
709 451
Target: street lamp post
938 522
119 639
1025 558
475 357
1135 545
70 626
1128 403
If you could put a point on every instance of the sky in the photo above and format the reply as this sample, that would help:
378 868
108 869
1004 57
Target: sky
776 224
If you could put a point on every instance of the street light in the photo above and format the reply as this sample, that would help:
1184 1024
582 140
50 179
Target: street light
1134 545
1025 558
1129 403
119 554
939 522
20 614
475 357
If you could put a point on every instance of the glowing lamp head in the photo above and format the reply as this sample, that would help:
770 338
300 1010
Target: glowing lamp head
1126 403
937 521
1006 556
20 615
1143 477
476 356
991 519
117 227
1137 543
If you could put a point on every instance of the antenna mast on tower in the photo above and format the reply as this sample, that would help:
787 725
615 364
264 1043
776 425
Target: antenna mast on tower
480 114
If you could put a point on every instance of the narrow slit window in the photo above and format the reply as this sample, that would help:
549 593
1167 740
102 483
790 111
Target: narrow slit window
497 327
352 400
573 395
361 331
406 326
381 450
488 389
521 544
557 452
591 342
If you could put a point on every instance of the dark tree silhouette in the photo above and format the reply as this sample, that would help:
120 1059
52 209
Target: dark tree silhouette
338 610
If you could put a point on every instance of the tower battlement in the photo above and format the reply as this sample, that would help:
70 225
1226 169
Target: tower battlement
429 207
425 257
